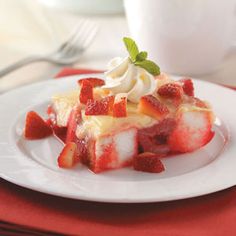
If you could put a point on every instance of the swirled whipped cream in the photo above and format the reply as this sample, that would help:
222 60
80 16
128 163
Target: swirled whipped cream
124 77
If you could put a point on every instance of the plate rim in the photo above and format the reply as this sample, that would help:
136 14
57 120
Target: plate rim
9 93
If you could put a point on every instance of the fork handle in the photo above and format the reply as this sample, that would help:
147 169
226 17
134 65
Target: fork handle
20 64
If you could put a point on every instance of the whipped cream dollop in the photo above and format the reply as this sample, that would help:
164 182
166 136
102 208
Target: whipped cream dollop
125 77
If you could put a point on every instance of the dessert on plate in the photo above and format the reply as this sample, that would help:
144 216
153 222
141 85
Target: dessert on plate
133 116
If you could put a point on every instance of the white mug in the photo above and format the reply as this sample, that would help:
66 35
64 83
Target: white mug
188 37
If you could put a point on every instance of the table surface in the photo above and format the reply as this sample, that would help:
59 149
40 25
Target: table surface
106 46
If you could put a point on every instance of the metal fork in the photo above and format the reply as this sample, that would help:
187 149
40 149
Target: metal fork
67 53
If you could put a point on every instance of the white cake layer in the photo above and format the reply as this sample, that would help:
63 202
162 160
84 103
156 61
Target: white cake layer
119 148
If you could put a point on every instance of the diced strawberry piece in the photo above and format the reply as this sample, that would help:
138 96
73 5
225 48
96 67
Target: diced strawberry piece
110 103
170 90
36 127
86 92
148 162
82 150
151 106
94 81
193 130
119 107
73 121
94 108
67 157
187 85
101 107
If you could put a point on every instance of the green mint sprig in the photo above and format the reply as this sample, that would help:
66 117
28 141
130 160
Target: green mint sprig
140 58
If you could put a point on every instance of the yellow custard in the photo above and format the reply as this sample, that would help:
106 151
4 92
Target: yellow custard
105 125
100 124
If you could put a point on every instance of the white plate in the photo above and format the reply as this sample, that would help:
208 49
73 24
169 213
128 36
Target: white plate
32 164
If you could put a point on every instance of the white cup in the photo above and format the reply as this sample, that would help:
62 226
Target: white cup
188 37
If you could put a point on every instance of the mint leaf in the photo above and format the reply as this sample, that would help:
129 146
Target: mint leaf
150 66
131 47
141 56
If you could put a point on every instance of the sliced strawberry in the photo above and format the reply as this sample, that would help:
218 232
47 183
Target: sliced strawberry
67 157
86 91
170 90
119 107
151 106
148 162
101 107
94 108
110 103
193 130
94 81
73 121
36 127
187 85
82 150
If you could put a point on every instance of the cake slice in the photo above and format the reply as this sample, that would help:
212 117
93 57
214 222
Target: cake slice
158 124
134 117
